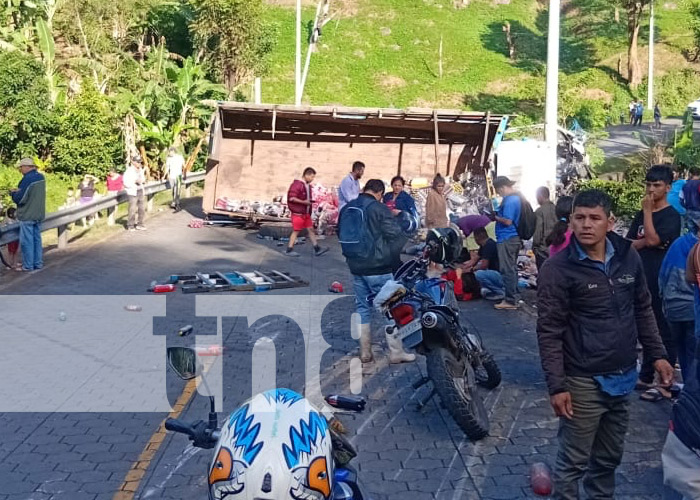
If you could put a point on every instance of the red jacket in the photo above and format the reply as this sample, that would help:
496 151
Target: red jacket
298 190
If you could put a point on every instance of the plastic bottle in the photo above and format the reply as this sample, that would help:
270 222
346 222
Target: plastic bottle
355 403
541 479
185 330
163 288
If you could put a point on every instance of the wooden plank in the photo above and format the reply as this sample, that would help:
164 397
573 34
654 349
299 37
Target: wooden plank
437 136
486 138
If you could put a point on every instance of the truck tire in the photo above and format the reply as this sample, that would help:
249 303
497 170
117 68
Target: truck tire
278 230
458 392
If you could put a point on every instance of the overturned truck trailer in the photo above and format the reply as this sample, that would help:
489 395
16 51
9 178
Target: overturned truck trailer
255 151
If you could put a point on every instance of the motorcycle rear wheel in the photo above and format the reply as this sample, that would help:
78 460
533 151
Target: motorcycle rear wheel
455 383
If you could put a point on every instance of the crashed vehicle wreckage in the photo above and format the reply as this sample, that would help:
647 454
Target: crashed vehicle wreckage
256 151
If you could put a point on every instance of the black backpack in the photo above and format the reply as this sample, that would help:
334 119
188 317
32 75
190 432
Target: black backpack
526 224
354 236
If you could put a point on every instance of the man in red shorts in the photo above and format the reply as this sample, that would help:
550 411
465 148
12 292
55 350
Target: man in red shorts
299 202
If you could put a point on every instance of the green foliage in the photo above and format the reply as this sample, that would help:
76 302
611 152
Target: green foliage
27 122
626 196
674 90
234 36
171 20
88 141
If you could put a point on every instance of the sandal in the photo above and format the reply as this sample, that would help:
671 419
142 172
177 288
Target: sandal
655 394
643 386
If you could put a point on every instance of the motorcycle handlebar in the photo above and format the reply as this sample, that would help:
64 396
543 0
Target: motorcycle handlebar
175 425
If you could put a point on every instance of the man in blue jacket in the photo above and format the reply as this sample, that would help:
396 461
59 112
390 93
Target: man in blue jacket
30 197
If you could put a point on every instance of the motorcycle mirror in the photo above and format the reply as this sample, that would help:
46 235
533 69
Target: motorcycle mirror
184 362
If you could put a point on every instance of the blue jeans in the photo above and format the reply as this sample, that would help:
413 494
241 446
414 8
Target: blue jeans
491 283
30 243
364 286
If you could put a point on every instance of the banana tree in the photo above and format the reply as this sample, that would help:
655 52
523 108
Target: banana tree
191 89
159 136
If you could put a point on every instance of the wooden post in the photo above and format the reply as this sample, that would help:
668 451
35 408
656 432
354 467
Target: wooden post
188 190
509 40
62 236
486 138
111 215
437 139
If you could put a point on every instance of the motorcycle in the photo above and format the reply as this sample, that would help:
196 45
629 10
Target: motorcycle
424 314
276 446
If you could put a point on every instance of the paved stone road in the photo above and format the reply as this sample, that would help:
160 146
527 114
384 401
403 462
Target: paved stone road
403 452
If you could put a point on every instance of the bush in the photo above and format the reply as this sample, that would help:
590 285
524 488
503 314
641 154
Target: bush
626 196
27 121
675 90
88 141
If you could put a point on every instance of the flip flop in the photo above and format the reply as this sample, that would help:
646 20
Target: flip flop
655 394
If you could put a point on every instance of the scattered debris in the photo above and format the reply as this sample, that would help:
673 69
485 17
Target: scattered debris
336 287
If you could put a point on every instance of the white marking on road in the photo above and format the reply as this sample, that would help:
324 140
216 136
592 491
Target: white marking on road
449 467
413 450
515 420
186 456
496 400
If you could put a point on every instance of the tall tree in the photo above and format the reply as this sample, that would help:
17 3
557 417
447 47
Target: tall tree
232 37
635 10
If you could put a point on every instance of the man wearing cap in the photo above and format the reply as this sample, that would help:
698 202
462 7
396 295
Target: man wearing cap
30 197
507 240
134 181
174 166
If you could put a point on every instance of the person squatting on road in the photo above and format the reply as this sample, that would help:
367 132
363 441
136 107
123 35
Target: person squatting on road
30 198
681 453
371 239
593 306
300 204
653 230
486 267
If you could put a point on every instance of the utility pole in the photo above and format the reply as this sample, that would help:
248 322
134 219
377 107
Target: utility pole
551 134
297 71
650 82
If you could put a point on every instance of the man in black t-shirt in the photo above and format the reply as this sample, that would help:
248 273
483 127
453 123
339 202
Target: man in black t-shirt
653 230
486 267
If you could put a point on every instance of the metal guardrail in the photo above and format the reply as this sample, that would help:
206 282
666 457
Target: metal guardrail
61 219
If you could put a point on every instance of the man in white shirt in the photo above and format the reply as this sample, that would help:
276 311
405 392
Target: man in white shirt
350 186
134 182
174 166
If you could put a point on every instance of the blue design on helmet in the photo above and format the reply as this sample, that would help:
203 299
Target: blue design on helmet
282 396
245 434
302 440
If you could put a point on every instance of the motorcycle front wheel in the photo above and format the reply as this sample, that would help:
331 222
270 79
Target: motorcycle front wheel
488 374
455 383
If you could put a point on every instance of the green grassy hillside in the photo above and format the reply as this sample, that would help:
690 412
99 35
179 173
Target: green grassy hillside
385 53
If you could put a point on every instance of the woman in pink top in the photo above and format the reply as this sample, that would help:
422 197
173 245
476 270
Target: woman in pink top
560 236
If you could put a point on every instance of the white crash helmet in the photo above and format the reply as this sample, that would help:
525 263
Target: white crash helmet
276 446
